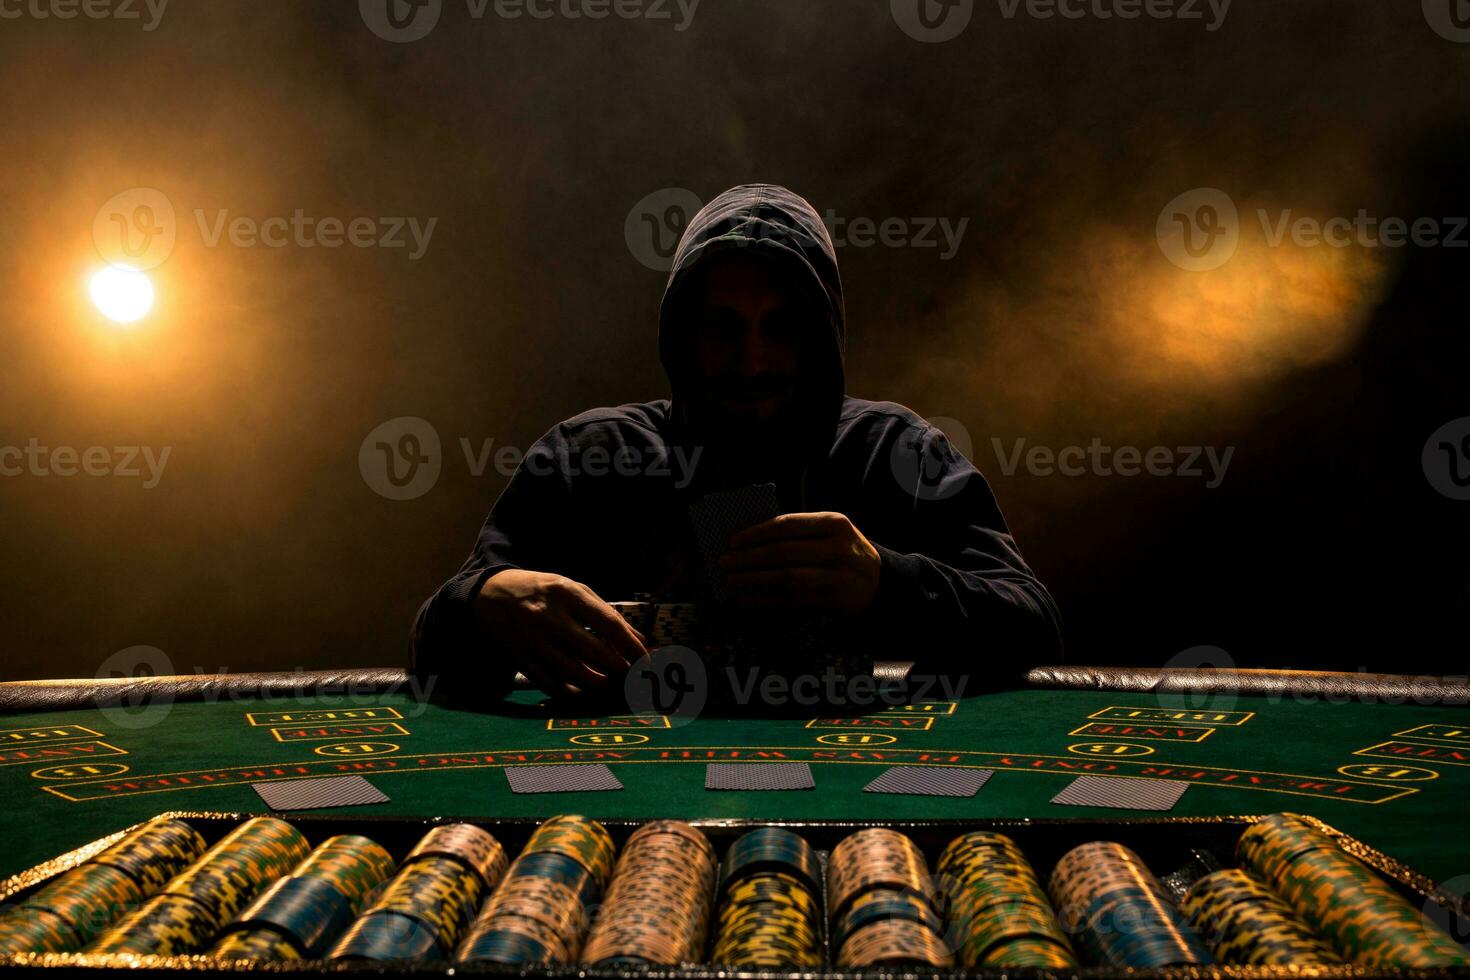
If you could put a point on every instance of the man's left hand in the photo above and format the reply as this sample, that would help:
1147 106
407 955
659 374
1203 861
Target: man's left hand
815 562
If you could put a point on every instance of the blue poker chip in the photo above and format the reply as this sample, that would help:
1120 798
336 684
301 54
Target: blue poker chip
504 947
386 935
562 869
308 911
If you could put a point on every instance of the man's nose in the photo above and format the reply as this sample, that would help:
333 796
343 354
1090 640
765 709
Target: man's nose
752 350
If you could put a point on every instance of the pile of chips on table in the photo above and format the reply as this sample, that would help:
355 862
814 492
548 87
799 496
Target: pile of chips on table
1118 912
1364 919
770 903
882 904
998 915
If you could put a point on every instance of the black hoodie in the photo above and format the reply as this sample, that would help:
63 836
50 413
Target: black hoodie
603 497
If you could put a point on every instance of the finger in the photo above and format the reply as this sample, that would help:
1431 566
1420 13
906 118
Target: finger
542 675
596 653
784 554
623 641
788 526
570 667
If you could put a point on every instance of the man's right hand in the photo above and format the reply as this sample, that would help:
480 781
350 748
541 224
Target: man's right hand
540 621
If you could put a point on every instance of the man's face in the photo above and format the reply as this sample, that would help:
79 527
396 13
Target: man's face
747 344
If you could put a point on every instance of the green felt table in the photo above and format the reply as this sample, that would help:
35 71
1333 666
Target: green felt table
1395 776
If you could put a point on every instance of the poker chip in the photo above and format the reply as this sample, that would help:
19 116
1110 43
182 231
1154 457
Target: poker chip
577 837
657 908
875 858
74 908
467 844
385 935
87 898
307 910
235 870
166 924
26 930
1359 914
1244 922
258 944
154 852
882 904
185 916
1118 913
996 912
354 865
770 905
426 907
544 905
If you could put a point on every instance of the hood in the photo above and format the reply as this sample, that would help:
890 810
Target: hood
771 222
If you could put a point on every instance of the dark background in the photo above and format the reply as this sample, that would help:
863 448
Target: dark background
1058 320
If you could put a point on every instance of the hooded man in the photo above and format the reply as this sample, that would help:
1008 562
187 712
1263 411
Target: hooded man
884 527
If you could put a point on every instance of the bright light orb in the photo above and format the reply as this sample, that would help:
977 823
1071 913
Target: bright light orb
122 293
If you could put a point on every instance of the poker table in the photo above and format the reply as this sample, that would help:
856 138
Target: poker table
1382 758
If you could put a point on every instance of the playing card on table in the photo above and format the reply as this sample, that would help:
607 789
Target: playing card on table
929 781
758 775
718 516
311 794
1125 793
561 779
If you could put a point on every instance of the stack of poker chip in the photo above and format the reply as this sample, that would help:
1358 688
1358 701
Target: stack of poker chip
1246 923
69 912
657 909
299 915
425 908
770 903
1364 919
882 903
185 916
996 911
541 911
1119 912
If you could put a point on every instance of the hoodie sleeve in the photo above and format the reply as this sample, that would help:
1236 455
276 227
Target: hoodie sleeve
526 528
954 593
